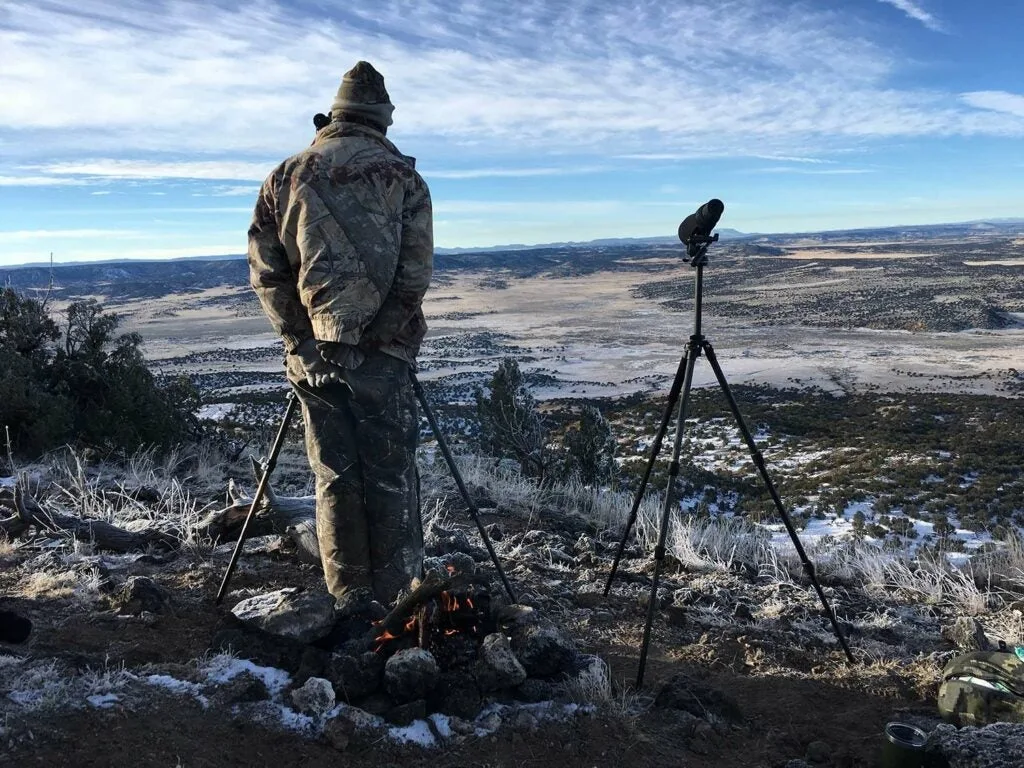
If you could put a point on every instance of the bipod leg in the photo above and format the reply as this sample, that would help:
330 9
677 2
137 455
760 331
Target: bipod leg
470 505
673 396
261 489
763 471
692 352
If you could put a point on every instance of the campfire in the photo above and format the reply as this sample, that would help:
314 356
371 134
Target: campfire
448 615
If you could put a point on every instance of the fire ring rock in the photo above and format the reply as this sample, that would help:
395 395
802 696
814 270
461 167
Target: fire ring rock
411 674
498 667
354 676
291 613
315 697
542 648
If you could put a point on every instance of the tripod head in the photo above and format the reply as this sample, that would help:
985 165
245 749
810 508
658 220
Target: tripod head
695 231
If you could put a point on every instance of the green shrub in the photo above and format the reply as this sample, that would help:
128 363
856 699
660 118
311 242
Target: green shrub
80 383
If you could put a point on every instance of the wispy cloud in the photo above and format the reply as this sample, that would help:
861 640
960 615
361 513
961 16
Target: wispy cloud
914 10
38 181
997 101
470 79
816 171
510 173
28 235
221 170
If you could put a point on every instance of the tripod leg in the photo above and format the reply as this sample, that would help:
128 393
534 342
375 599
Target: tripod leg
692 351
473 511
673 396
763 470
261 489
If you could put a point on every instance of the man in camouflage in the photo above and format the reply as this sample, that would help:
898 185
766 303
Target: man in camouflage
340 255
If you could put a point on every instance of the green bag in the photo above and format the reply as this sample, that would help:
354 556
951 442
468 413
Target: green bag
983 687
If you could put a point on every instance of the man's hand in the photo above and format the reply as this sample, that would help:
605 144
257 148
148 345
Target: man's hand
318 371
342 355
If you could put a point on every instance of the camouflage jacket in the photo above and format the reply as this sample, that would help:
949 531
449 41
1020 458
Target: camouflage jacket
341 244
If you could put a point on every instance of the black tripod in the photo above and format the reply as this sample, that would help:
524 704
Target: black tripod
695 233
271 462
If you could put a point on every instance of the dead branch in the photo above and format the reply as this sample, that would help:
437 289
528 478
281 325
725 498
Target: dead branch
292 516
102 534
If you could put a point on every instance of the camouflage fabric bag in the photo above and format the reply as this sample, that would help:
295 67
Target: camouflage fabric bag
983 687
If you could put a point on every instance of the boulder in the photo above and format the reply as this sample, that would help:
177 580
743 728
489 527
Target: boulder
542 648
290 612
354 676
497 667
411 674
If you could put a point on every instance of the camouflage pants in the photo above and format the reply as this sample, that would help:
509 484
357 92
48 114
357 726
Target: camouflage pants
362 450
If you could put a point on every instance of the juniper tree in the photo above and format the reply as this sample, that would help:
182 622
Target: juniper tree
82 383
511 427
590 448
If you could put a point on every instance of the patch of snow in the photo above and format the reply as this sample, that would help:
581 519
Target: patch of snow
442 724
25 698
104 700
181 687
224 668
296 721
216 411
418 732
8 482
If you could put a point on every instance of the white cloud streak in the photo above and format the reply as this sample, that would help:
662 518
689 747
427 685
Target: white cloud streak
221 170
917 13
997 101
471 79
29 235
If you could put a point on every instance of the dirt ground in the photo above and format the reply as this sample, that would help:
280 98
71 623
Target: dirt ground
782 712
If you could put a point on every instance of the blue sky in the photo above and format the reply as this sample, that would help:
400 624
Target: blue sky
140 128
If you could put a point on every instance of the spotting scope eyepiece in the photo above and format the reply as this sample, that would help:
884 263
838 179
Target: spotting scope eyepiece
702 221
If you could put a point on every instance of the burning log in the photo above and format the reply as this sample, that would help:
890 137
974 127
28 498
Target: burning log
432 586
102 534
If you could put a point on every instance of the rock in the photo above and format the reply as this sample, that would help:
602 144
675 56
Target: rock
354 677
966 634
441 541
354 727
242 688
491 723
534 691
290 613
457 694
1000 745
742 612
405 714
450 563
542 648
523 720
497 666
315 697
411 674
818 752
314 661
139 594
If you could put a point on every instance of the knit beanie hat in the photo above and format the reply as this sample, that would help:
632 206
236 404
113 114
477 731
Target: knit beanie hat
362 93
